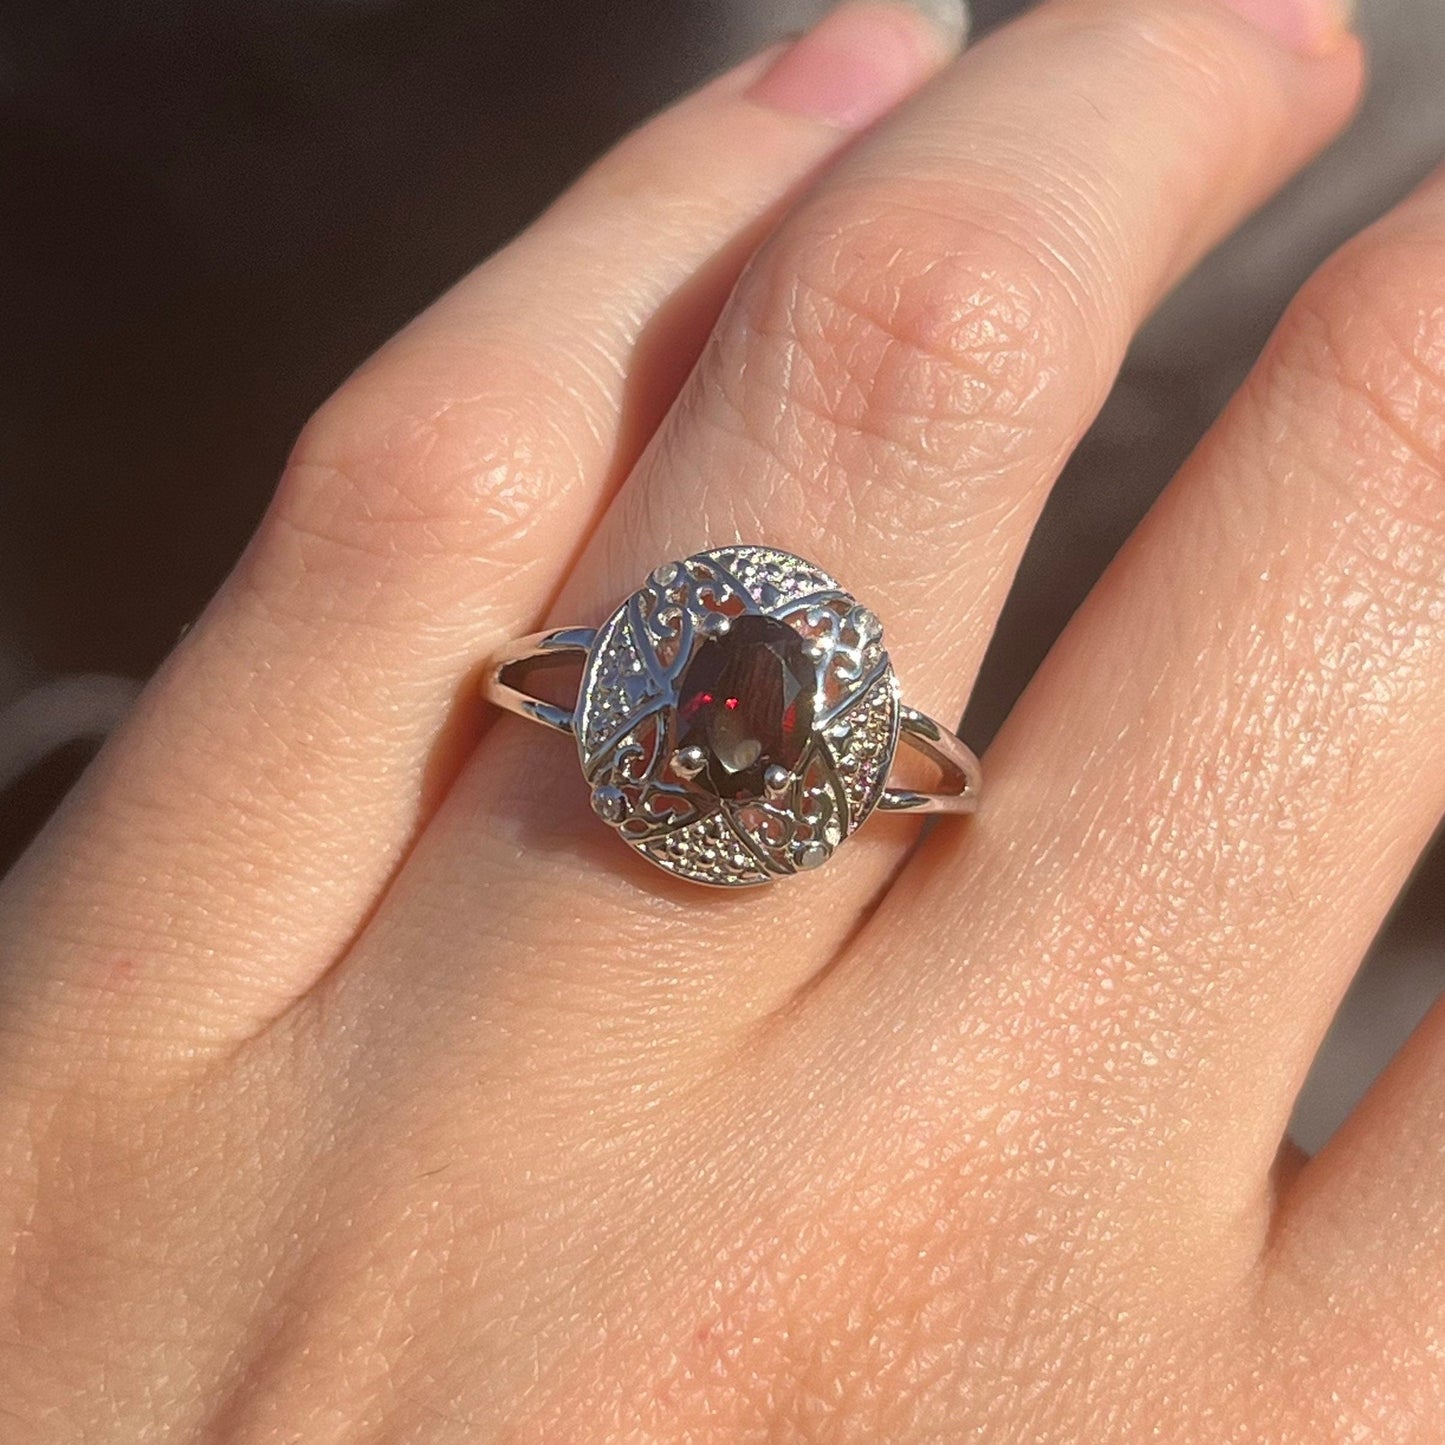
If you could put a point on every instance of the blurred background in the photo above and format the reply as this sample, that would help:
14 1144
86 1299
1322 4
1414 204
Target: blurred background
214 209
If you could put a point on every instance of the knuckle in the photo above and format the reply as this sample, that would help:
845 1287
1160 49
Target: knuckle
890 322
402 467
1371 325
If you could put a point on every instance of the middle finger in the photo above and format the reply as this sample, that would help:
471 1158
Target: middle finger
891 391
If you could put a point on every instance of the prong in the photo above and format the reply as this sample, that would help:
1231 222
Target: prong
715 624
688 762
813 855
777 780
816 649
609 803
666 575
865 623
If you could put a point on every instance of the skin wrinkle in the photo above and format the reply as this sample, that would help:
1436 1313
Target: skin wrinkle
1402 405
952 226
781 377
518 479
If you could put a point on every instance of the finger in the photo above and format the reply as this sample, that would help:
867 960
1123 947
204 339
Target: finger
889 393
1214 789
238 830
1358 1248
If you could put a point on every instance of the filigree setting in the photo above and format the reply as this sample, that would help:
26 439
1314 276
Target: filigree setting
628 723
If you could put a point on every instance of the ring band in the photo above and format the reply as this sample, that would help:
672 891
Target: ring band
738 717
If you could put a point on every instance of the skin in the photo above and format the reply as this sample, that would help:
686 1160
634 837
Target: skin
357 1086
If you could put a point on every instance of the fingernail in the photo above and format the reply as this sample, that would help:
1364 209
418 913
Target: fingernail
1312 27
861 59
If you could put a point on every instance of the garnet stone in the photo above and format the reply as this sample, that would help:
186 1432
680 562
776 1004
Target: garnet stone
746 701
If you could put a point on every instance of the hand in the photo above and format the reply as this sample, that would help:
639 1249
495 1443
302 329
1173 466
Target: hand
357 1085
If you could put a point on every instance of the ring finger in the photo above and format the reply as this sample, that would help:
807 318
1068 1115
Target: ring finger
890 392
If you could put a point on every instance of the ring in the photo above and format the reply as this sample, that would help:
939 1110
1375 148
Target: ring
738 717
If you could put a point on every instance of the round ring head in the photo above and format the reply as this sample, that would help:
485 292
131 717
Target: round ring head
738 716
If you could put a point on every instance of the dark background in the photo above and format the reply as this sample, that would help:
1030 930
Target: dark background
213 209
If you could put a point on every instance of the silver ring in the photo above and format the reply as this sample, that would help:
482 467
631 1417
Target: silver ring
738 717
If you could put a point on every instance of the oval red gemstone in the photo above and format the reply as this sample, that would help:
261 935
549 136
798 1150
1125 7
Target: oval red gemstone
746 701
